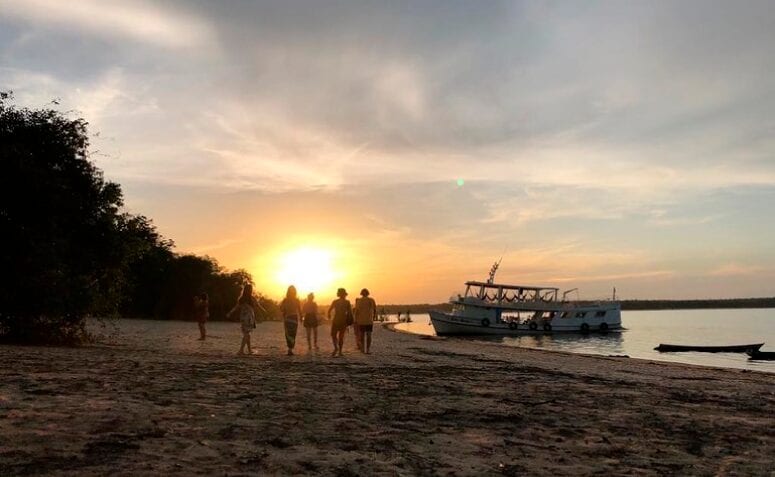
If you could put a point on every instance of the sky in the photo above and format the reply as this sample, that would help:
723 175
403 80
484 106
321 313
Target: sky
406 146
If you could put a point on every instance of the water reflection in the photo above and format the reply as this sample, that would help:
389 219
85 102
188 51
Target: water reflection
610 343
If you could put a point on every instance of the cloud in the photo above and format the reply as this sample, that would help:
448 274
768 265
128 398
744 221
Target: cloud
624 138
135 20
733 269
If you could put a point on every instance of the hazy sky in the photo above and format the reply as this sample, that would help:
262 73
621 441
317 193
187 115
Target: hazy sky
601 144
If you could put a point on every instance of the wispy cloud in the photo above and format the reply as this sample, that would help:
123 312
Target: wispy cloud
733 269
136 20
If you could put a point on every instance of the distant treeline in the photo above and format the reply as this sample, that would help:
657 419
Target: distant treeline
417 308
698 304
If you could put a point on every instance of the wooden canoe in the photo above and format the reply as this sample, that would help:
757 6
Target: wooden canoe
709 349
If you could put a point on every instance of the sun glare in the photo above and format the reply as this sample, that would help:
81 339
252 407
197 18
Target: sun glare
309 269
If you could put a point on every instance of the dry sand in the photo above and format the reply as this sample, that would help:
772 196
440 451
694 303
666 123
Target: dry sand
153 400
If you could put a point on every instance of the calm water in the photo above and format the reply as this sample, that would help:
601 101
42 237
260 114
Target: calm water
646 329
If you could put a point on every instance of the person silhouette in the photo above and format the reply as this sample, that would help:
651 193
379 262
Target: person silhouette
310 309
245 312
365 314
201 313
343 317
291 309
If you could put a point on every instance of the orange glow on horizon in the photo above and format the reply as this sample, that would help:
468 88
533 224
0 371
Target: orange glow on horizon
315 267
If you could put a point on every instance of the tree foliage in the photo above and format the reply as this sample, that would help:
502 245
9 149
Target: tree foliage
70 252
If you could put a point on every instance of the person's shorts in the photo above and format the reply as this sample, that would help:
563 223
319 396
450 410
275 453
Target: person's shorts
366 328
310 321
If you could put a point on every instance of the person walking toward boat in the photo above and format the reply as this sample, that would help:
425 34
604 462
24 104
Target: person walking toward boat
365 314
244 310
310 310
343 317
291 309
201 313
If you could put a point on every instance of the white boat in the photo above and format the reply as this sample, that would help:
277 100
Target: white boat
489 308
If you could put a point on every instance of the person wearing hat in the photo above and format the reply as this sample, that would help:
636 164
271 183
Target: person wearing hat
343 317
365 313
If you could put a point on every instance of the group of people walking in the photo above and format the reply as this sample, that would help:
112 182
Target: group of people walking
294 313
344 315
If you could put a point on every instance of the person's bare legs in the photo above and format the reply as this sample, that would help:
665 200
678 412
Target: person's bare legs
315 334
309 337
333 339
368 342
245 339
341 340
202 331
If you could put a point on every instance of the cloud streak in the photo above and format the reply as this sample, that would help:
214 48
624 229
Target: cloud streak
135 20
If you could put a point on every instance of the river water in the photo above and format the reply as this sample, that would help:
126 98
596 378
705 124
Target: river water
647 329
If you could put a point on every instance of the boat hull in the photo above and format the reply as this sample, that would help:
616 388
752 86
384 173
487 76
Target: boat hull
761 355
669 348
447 324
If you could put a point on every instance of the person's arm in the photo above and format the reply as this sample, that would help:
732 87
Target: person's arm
374 309
257 306
299 315
331 307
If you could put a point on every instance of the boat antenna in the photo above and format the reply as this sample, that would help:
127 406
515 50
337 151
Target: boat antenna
494 269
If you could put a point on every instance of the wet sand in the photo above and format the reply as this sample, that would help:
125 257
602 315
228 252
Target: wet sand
151 399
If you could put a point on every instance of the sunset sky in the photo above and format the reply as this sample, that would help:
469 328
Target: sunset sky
405 146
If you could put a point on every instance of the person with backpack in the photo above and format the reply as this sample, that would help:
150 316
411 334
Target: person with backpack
343 317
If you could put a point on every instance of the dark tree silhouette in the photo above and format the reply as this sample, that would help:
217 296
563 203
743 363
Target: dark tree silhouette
63 250
69 252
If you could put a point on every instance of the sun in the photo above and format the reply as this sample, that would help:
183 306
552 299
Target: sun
309 269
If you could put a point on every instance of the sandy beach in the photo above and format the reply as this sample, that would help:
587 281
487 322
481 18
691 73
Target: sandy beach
149 399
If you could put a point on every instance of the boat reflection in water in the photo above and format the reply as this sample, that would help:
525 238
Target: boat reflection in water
598 344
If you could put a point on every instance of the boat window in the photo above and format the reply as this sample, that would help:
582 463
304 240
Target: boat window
565 314
581 314
600 313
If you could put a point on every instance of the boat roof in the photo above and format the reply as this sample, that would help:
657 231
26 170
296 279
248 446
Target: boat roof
509 287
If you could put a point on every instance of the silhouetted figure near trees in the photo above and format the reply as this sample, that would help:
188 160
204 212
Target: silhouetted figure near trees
343 317
365 314
310 309
291 309
202 313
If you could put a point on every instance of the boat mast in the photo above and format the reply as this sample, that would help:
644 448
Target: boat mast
494 269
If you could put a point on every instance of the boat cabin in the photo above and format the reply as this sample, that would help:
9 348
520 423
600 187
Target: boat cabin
496 293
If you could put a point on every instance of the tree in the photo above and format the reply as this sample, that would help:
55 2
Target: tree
61 226
70 252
